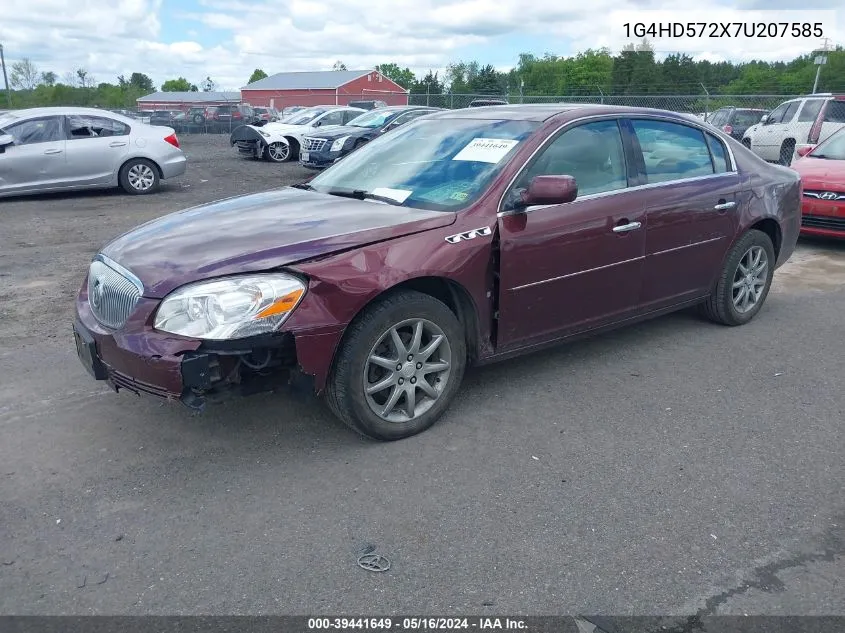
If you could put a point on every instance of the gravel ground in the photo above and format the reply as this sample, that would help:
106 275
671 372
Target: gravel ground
672 467
48 241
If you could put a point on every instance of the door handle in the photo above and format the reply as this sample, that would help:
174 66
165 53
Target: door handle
724 205
52 151
624 228
117 144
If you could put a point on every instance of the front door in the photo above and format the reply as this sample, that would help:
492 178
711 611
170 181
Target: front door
570 267
691 210
96 147
37 159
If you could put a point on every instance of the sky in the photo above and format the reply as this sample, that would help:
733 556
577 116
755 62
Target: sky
228 39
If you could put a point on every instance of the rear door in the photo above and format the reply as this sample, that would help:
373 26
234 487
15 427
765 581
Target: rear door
767 139
781 132
96 147
37 160
691 209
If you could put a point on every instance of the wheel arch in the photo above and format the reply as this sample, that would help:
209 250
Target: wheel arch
770 227
146 158
456 297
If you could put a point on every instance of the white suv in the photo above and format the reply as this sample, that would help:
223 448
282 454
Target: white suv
806 120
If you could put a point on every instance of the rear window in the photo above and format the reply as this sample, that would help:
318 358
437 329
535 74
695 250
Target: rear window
747 118
835 112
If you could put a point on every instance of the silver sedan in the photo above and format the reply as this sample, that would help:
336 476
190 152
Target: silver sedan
59 149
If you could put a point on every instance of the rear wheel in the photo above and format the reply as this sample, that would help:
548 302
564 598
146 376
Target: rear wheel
786 152
747 142
745 281
399 367
138 177
278 152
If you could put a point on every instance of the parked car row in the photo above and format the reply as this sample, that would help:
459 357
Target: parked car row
460 237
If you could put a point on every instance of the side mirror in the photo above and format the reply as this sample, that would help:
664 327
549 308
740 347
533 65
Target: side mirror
764 119
549 190
6 140
803 150
317 123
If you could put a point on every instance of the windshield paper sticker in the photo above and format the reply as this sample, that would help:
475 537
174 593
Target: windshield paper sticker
486 150
400 195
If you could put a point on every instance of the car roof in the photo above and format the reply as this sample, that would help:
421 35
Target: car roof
545 111
28 113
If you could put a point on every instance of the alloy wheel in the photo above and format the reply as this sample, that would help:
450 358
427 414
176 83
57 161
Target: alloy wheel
279 152
141 177
749 280
407 370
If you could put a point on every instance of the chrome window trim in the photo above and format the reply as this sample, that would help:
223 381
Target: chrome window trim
661 117
131 277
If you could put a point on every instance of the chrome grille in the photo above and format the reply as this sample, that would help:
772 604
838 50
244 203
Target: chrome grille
112 294
313 144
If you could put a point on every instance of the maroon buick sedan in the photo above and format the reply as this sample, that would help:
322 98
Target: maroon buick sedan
466 237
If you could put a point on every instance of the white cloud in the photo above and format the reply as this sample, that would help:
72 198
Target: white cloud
227 39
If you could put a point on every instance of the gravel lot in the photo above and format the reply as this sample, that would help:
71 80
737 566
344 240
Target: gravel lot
672 467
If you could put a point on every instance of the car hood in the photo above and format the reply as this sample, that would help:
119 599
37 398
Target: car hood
259 232
334 132
821 173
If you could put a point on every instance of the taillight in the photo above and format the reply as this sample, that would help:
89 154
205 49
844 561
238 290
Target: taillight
816 130
172 140
236 115
727 129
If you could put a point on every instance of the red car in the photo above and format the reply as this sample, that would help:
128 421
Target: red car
822 171
464 237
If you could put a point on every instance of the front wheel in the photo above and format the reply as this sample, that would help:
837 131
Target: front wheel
399 367
138 177
277 152
745 281
786 152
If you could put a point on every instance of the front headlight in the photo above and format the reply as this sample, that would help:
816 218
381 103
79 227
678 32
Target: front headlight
230 308
263 133
338 144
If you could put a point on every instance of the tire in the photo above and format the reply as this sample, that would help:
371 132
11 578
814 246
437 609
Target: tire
369 336
139 177
786 152
747 142
278 152
199 119
726 304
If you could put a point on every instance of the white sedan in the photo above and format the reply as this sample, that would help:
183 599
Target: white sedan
60 149
280 142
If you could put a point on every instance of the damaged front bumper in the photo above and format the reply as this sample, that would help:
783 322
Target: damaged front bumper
248 141
144 361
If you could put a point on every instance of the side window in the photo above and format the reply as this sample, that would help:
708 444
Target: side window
95 127
810 110
790 111
45 130
333 118
777 114
720 154
719 118
348 115
672 151
592 153
835 112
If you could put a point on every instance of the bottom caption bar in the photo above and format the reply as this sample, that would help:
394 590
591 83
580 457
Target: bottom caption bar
383 624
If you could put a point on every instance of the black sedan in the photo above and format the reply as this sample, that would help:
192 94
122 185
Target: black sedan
335 142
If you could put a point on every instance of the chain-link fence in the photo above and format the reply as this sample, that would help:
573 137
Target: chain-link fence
223 118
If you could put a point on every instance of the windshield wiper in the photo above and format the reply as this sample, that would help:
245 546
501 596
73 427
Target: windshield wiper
360 194
821 156
303 185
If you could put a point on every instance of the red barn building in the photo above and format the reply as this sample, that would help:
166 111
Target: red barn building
332 87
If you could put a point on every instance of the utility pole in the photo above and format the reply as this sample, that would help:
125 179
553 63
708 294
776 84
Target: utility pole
820 61
5 77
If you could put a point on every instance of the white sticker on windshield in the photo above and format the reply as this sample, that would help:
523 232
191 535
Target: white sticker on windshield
399 195
486 150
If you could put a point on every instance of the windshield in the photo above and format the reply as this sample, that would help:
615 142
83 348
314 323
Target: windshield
833 147
304 116
372 119
441 164
7 119
748 117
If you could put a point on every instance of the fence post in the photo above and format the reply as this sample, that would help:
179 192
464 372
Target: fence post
706 102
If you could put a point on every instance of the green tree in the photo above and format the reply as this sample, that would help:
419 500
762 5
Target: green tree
178 85
208 85
430 84
339 65
403 76
257 75
49 78
24 75
141 82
